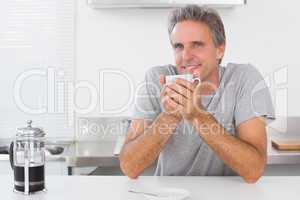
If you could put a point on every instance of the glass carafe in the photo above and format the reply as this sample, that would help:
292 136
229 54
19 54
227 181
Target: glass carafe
27 156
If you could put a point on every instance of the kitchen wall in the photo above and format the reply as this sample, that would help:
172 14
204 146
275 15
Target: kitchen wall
120 45
264 33
37 60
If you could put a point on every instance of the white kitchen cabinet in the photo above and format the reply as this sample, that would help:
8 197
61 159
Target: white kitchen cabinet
161 3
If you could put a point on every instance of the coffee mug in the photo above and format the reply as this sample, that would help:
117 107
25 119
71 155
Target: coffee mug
188 77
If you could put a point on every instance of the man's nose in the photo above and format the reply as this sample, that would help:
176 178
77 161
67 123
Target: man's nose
187 54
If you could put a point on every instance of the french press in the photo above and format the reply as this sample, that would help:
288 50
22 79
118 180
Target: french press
27 159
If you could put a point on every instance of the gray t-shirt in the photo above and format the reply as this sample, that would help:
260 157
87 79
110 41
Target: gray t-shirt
242 94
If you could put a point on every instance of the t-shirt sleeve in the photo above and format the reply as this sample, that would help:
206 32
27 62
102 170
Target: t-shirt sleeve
147 98
253 97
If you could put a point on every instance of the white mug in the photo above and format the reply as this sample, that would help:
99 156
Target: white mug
188 77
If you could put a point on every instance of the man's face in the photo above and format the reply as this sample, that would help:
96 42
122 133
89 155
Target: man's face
194 49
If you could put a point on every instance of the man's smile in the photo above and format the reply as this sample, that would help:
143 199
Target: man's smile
191 68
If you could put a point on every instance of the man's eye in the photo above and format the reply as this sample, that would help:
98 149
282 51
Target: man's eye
178 46
198 44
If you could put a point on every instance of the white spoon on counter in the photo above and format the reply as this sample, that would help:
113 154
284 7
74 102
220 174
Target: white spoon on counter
164 194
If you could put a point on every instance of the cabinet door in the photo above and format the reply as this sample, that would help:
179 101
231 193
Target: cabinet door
282 170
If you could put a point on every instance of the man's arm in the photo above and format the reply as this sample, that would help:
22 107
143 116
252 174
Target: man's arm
144 142
246 154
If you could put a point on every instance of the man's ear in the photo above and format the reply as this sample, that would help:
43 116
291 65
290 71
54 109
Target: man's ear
220 51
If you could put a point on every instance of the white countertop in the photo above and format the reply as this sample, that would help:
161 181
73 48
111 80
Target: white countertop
116 187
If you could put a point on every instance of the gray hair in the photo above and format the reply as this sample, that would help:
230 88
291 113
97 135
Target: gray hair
205 15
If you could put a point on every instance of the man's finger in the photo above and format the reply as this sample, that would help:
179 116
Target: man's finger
163 91
197 97
162 79
186 84
171 104
197 91
180 90
180 99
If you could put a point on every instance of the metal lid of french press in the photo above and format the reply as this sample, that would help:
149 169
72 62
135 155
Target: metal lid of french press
30 131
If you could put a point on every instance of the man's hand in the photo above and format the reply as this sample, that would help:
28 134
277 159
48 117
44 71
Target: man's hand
169 104
182 98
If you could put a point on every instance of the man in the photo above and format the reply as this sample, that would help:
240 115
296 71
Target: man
216 127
